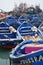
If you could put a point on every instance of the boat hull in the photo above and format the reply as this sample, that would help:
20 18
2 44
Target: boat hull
27 52
31 59
9 43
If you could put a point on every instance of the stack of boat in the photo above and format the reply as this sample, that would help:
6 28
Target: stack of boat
30 51
26 32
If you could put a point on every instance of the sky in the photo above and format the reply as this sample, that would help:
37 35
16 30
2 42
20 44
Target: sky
8 5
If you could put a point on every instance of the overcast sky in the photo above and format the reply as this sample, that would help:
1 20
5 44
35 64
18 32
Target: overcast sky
8 5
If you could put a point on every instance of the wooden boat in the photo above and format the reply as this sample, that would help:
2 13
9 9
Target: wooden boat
27 53
22 19
41 16
3 15
28 32
8 36
36 21
12 21
40 30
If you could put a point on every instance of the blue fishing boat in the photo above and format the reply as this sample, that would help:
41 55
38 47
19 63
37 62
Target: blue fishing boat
27 52
12 21
27 30
40 29
22 19
30 16
8 36
36 21
41 16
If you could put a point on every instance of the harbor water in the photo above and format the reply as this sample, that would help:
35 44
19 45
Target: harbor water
4 56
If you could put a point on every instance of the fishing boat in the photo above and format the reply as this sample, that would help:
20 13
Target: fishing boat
30 16
3 15
28 32
8 36
12 21
41 16
21 19
36 21
27 53
40 29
